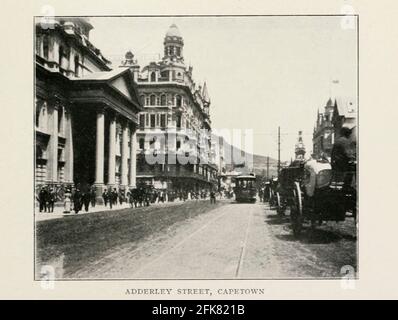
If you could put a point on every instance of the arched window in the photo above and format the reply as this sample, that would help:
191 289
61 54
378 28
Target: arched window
178 101
153 77
142 99
77 66
152 100
45 46
163 100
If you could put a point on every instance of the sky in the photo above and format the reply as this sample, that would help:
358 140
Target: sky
261 72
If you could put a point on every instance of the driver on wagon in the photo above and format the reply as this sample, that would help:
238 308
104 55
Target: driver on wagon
342 153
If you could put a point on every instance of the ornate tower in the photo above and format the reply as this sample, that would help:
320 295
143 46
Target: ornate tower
300 148
173 45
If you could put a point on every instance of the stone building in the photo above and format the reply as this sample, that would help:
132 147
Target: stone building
86 114
341 112
176 111
323 135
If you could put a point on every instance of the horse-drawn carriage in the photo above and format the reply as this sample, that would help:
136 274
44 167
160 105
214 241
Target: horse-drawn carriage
321 194
286 182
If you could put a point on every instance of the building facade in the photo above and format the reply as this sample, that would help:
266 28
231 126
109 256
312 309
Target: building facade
175 122
86 115
323 135
340 113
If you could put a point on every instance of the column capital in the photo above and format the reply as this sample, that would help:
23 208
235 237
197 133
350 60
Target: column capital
100 109
123 121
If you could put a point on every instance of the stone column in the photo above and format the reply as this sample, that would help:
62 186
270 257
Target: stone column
99 156
112 152
133 156
124 164
68 146
53 145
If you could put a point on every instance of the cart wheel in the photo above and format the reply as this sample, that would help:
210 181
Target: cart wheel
279 209
296 212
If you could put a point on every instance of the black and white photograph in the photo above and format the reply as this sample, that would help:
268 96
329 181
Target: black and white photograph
196 147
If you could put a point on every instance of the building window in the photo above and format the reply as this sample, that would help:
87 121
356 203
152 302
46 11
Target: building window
163 120
61 54
163 100
142 143
45 46
153 77
178 101
178 51
61 120
38 111
179 121
153 100
153 120
77 66
165 75
142 121
178 144
147 101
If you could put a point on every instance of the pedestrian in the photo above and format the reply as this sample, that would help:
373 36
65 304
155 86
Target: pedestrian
121 196
86 197
93 197
114 196
67 201
51 200
77 198
43 199
212 197
105 197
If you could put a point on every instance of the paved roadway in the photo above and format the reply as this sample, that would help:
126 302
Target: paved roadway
230 242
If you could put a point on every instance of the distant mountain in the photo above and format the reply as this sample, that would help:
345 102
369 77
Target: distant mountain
254 163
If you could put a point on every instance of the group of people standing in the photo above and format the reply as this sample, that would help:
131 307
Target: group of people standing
46 198
111 197
79 199
82 197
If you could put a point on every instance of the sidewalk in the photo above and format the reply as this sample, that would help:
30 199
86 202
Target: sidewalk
59 210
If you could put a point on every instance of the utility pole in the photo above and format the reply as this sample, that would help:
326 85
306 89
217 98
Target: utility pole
267 168
279 150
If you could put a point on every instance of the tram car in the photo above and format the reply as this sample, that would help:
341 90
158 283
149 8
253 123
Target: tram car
245 188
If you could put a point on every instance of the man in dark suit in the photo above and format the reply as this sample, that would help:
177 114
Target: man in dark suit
43 199
51 200
77 198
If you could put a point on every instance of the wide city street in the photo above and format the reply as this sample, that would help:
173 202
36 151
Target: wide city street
193 240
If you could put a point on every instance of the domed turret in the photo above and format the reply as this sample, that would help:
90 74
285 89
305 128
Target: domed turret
173 44
173 31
